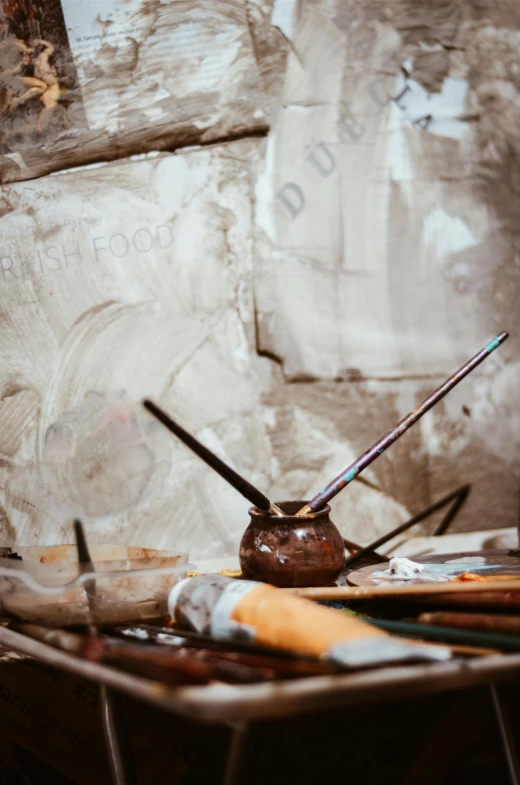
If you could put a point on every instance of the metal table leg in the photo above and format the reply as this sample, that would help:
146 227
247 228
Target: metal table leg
122 773
234 773
506 735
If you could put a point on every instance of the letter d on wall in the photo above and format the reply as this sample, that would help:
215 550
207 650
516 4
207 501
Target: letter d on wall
291 196
322 159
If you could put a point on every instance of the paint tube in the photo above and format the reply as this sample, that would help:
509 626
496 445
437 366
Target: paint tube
247 610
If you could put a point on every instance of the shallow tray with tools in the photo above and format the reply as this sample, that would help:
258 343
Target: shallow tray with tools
220 702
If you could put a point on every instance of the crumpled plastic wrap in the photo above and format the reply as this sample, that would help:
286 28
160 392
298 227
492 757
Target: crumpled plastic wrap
46 585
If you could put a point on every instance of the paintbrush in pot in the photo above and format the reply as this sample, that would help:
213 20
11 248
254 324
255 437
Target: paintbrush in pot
239 483
86 565
348 474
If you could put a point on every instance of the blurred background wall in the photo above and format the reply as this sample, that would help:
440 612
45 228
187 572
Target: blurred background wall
287 222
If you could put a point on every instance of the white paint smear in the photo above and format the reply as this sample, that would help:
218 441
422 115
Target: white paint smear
283 17
444 108
398 158
264 210
446 234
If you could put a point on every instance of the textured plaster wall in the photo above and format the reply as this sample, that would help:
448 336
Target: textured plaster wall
288 297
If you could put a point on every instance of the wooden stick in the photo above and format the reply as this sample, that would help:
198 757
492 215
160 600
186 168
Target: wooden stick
449 634
230 475
348 474
160 663
457 496
492 622
456 648
464 651
86 565
413 590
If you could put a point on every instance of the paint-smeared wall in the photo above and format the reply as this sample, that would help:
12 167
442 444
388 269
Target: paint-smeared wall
128 77
287 298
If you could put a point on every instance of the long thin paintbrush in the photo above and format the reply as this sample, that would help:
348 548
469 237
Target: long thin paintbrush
502 586
457 496
380 446
239 483
86 565
492 640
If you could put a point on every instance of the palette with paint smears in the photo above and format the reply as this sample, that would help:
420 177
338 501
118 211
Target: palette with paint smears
484 565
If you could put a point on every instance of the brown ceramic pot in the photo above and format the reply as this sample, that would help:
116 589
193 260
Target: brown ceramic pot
289 551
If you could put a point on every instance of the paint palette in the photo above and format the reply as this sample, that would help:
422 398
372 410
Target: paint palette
441 567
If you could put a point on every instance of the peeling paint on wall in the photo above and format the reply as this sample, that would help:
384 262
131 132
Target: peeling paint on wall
287 299
150 76
351 194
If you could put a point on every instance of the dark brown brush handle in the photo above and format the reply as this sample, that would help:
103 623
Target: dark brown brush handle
239 483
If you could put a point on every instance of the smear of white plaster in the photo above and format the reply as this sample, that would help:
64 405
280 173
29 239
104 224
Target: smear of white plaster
274 467
494 410
162 94
264 192
238 345
79 169
438 442
283 17
144 156
223 51
269 416
18 159
430 437
430 47
444 107
445 234
205 122
209 439
154 113
461 270
398 157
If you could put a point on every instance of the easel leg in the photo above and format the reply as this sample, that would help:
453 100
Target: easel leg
506 735
236 761
122 773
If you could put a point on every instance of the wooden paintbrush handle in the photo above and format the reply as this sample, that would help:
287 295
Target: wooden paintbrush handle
230 475
346 476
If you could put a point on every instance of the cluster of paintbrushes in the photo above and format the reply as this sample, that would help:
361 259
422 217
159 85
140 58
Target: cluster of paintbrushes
193 654
288 637
261 501
171 656
176 657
